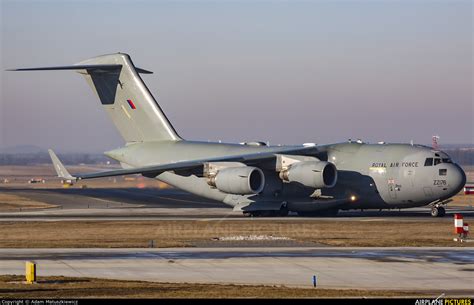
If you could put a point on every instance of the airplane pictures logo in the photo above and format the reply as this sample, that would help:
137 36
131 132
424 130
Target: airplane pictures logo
440 301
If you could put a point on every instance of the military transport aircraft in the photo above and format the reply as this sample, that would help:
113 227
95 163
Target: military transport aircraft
254 178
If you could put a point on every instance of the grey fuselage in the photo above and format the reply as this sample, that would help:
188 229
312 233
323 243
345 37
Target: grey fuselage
378 176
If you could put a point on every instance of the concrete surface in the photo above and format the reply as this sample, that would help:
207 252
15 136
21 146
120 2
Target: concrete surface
420 269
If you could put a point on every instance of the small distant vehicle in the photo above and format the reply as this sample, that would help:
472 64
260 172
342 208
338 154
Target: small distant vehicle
36 180
259 179
67 182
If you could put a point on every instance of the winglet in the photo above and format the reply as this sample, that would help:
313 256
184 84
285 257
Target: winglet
59 167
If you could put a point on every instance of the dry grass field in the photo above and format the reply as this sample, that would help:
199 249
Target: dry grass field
469 170
188 233
462 200
10 202
11 286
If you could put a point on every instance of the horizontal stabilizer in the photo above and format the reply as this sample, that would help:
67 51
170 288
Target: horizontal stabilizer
94 68
118 84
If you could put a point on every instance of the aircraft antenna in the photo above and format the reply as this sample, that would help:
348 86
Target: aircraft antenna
435 142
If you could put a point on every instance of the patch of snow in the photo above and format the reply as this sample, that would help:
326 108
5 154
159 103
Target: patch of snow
251 237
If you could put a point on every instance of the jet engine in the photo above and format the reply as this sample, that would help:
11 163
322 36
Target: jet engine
242 180
316 174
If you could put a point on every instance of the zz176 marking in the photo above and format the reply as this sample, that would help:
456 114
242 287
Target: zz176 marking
439 182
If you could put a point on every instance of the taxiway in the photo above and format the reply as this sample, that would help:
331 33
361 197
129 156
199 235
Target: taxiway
421 269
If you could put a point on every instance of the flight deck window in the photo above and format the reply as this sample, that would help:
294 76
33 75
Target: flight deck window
447 161
437 161
443 172
429 162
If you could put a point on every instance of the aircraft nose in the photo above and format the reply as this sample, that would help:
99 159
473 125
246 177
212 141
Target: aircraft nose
457 179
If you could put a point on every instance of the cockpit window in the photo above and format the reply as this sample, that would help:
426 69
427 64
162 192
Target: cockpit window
437 161
446 160
429 162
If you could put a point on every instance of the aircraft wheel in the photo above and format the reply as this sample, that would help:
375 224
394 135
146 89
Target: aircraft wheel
325 213
270 213
252 214
304 214
309 214
438 211
330 213
278 213
283 212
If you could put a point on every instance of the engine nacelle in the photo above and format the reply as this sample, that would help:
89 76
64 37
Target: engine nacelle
316 174
243 180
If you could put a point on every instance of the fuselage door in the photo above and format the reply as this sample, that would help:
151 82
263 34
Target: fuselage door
428 191
409 176
392 180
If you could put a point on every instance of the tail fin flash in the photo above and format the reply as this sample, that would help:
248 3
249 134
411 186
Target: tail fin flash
125 97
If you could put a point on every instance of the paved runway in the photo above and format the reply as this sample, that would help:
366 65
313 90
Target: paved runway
422 269
153 204
75 198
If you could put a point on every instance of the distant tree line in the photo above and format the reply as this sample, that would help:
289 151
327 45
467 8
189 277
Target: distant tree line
463 156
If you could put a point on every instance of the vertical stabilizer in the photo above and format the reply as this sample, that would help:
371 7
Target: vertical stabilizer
127 100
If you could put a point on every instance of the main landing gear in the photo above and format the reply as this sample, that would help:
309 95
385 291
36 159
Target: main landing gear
270 213
324 213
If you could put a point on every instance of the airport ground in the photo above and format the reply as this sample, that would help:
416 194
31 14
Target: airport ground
154 241
227 233
77 287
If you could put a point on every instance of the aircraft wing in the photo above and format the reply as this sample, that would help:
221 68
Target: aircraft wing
155 170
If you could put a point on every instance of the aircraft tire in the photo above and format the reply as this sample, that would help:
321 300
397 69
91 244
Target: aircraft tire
326 213
270 213
283 212
330 213
256 214
438 211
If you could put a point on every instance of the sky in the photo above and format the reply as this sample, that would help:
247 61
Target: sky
283 72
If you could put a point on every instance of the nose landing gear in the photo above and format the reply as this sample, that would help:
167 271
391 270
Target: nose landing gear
438 211
437 208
